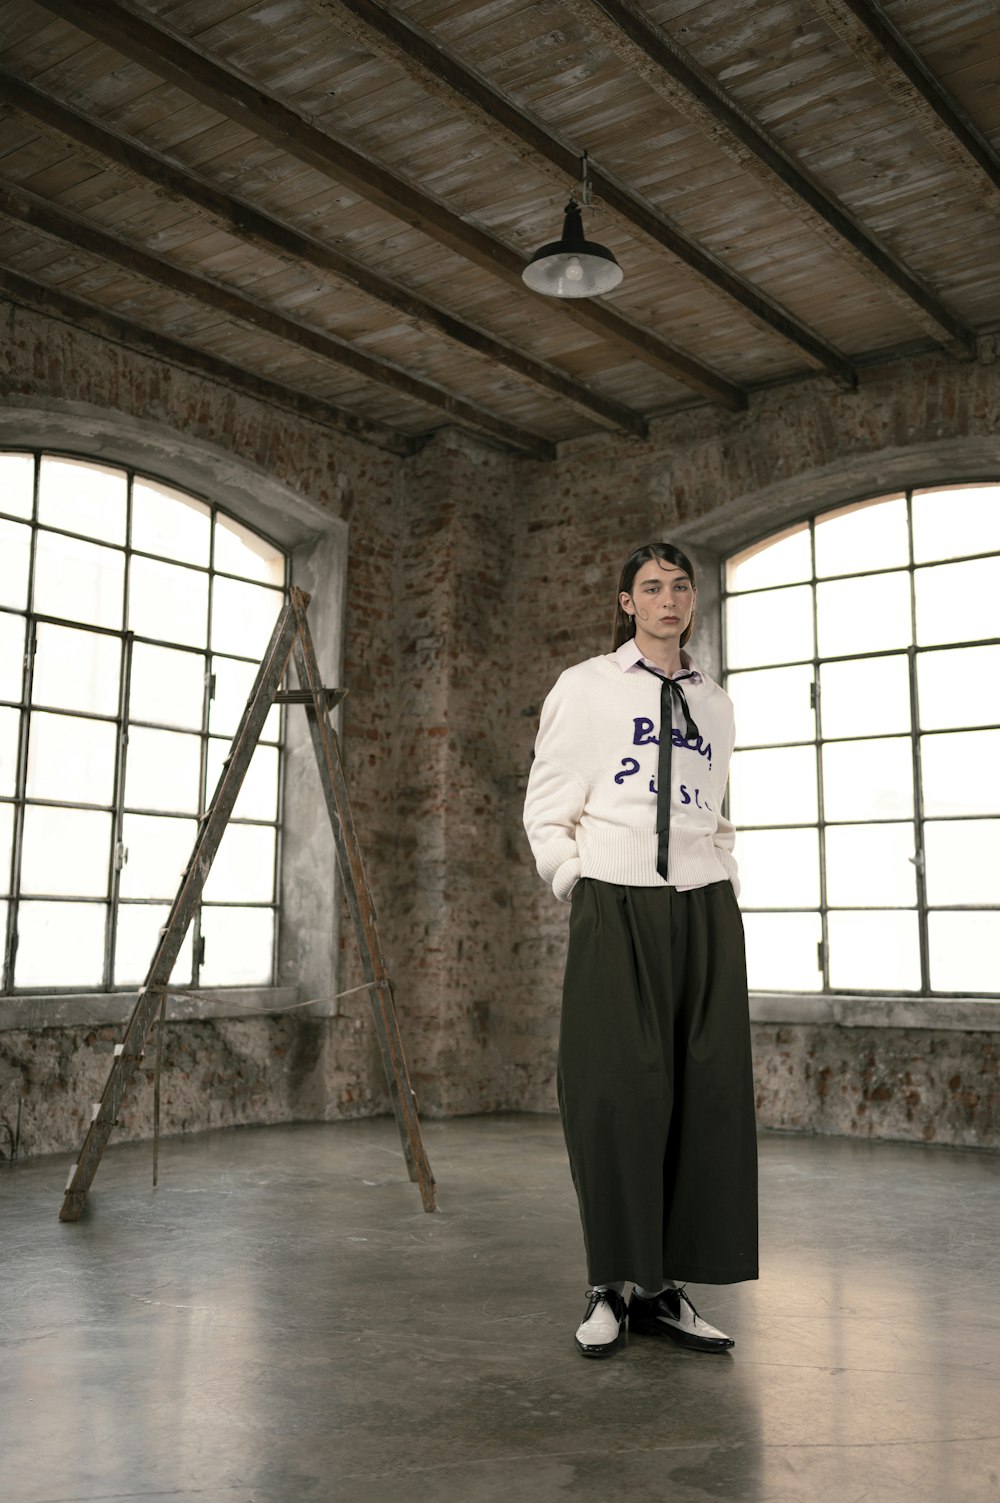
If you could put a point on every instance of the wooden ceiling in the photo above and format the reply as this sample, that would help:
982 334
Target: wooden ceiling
330 202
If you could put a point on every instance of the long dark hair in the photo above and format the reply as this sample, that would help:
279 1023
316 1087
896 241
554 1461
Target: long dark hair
624 624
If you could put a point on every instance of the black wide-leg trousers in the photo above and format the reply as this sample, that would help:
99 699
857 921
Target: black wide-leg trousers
656 1086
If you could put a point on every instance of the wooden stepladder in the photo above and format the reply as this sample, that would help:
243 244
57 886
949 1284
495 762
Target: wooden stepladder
291 638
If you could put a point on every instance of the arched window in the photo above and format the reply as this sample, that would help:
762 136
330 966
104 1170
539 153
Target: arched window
132 620
863 655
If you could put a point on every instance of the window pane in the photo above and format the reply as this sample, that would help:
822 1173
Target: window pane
136 942
870 695
66 851
82 497
78 581
243 617
233 684
60 944
963 952
959 687
71 759
162 771
961 519
169 522
243 870
773 705
76 670
959 773
258 798
871 864
863 615
167 686
12 645
158 851
962 865
779 868
874 952
10 722
958 602
868 535
168 602
238 946
773 787
785 559
868 780
15 553
6 845
782 952
17 483
772 628
240 551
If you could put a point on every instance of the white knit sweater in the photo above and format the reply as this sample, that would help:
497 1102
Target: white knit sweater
590 807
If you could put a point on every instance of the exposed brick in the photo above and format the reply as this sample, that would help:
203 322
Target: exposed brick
473 579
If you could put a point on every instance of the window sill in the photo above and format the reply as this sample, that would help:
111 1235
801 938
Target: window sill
951 1014
98 1009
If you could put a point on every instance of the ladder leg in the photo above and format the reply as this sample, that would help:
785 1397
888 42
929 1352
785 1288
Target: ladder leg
152 993
359 899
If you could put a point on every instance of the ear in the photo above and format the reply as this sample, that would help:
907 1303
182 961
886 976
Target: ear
625 600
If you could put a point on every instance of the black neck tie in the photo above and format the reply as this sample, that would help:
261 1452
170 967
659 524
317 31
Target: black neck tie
670 690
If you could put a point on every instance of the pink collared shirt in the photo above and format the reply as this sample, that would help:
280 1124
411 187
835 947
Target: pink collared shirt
629 657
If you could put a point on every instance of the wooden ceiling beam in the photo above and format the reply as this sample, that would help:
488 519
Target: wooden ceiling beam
79 314
692 90
248 224
168 55
416 52
27 208
881 46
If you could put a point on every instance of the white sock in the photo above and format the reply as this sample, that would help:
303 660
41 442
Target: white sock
603 1288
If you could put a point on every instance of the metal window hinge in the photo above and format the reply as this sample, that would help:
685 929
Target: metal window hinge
210 681
121 855
917 860
820 954
813 694
199 950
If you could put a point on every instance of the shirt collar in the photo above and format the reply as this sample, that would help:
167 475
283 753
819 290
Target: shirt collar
628 658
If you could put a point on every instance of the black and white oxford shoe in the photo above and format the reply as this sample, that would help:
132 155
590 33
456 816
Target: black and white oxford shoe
672 1314
603 1326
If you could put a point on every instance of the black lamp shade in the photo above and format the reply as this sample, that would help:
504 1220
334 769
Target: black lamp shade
572 266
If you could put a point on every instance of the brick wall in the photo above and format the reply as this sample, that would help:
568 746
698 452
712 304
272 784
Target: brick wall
716 482
473 579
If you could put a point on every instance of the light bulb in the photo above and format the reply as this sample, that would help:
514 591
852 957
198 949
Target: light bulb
574 271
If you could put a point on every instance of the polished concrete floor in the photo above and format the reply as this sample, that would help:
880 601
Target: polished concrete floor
281 1322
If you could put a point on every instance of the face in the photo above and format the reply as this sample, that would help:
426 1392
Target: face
662 601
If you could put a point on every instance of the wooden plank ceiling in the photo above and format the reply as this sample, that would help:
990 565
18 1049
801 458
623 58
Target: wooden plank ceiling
331 201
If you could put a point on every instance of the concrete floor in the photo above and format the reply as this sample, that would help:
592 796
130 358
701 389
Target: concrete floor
281 1322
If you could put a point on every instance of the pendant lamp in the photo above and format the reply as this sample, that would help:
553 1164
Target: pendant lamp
573 266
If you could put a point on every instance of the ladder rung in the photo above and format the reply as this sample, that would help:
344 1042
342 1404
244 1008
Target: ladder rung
304 697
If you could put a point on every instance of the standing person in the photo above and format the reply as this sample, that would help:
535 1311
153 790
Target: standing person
623 814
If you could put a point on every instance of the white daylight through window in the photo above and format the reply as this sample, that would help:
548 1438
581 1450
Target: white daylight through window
862 653
132 620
